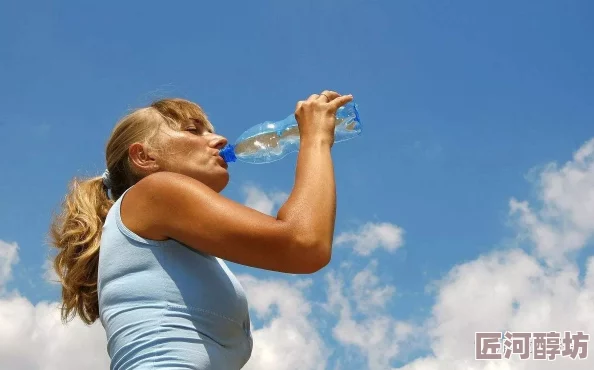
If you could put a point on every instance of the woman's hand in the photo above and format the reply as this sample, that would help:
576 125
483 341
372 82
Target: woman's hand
316 116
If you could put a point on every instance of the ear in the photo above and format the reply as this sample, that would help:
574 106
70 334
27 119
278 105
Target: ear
141 159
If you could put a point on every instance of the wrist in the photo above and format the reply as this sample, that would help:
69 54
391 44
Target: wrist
317 141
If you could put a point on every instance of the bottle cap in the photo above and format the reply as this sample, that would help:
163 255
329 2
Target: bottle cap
228 153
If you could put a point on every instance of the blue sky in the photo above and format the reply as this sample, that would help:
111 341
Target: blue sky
463 105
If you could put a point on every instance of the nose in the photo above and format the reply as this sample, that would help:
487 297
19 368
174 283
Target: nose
218 141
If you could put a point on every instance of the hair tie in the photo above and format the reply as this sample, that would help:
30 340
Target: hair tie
106 179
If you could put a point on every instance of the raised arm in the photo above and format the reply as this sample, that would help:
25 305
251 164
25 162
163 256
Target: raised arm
297 240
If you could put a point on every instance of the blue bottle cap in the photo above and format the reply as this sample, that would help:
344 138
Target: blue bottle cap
228 153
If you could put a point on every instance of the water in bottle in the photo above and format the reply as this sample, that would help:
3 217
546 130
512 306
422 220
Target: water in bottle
270 141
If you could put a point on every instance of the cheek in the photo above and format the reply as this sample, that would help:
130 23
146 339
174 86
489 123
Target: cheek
197 147
188 146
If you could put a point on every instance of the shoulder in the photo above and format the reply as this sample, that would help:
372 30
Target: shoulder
148 200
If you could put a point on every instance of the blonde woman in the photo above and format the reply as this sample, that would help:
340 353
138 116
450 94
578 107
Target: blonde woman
142 248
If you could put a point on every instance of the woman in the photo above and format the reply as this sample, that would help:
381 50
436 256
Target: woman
149 260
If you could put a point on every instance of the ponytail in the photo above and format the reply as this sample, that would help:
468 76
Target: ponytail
76 233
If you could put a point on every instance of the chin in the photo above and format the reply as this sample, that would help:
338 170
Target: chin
221 183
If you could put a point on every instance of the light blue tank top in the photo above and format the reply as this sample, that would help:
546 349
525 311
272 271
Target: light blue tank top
165 305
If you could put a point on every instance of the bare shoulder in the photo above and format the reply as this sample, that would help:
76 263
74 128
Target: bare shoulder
137 210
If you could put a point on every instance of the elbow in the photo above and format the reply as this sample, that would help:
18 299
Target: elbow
321 256
320 263
312 255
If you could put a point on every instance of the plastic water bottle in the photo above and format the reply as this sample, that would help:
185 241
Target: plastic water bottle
270 141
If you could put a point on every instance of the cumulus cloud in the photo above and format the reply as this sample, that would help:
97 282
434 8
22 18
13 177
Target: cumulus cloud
532 289
33 337
372 236
367 294
289 340
363 321
565 221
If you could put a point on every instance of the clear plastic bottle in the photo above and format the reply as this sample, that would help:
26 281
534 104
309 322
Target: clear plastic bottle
270 141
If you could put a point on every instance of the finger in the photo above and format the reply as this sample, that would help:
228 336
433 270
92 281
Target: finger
329 95
313 97
341 100
324 98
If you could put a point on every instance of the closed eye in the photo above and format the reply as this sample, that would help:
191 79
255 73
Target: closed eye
205 128
196 131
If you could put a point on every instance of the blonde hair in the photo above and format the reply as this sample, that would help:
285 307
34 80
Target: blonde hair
76 230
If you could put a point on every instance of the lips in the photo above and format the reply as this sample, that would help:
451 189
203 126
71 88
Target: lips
222 162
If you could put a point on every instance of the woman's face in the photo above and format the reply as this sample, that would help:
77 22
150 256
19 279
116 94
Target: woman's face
193 151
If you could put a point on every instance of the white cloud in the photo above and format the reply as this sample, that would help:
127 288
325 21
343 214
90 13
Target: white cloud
363 321
261 201
33 337
565 221
8 257
368 296
289 340
372 236
537 289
